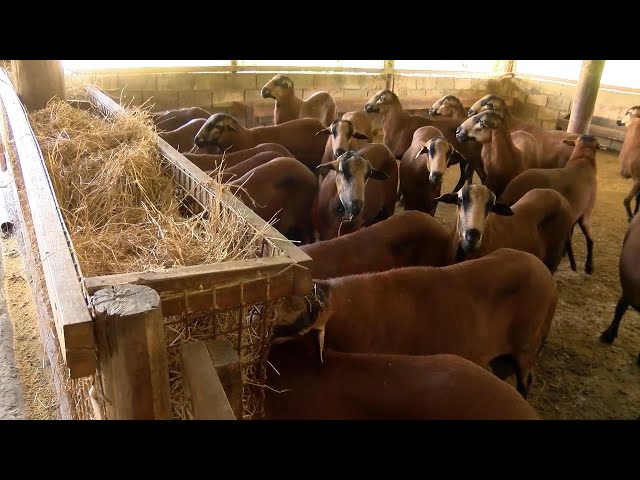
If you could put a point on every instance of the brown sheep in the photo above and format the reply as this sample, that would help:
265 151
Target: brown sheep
225 175
319 105
551 151
209 162
169 120
297 136
505 154
347 200
352 132
540 223
352 386
576 181
448 106
629 271
630 157
182 138
282 189
408 238
495 311
422 167
398 127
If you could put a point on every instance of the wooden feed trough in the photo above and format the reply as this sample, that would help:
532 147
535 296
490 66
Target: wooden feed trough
116 335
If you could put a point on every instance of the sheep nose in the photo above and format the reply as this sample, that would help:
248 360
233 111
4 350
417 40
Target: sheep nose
432 111
435 177
472 112
368 108
265 92
338 152
198 141
472 236
356 207
619 123
461 134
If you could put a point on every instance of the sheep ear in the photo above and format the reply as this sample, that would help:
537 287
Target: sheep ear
502 209
569 142
323 131
452 151
450 198
378 174
422 150
360 136
232 127
329 166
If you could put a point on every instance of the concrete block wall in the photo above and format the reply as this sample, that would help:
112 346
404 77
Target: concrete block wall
543 102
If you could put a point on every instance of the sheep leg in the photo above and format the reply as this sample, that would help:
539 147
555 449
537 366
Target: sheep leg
520 374
572 259
635 190
610 334
585 226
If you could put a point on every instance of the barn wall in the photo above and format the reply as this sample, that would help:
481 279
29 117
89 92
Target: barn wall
543 101
207 90
540 101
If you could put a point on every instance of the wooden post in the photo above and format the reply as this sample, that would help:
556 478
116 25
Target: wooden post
38 81
227 364
202 385
586 94
389 66
132 353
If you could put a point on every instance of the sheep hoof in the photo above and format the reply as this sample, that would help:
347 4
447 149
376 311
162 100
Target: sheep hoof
607 337
588 269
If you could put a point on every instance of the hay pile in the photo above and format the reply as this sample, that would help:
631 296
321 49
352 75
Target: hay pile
119 206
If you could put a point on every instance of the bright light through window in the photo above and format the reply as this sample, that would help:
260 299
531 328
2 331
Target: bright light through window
99 64
446 65
565 69
621 73
314 63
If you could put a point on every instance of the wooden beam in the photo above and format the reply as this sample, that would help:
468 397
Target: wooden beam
132 353
221 286
38 81
227 364
202 385
74 325
584 101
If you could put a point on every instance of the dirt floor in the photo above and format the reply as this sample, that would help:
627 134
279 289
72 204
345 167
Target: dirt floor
33 372
577 376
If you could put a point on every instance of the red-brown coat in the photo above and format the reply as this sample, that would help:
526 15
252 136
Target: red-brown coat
210 162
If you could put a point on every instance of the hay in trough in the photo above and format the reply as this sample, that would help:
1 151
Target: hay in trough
122 210
119 205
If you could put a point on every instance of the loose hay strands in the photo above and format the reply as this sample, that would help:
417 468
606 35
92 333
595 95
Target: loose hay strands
123 214
119 206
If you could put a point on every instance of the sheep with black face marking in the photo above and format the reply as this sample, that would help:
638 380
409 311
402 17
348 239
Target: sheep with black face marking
297 136
320 105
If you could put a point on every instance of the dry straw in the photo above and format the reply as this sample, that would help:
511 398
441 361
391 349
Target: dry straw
123 213
120 206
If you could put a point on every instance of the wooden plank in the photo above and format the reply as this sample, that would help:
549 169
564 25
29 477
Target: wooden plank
238 283
74 325
227 364
229 200
202 385
133 358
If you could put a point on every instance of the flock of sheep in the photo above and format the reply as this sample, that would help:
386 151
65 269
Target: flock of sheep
406 319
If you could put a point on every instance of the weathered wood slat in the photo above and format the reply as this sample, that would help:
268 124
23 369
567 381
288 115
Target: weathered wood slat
202 385
74 325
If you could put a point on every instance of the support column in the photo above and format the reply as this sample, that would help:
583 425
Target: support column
586 94
38 81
